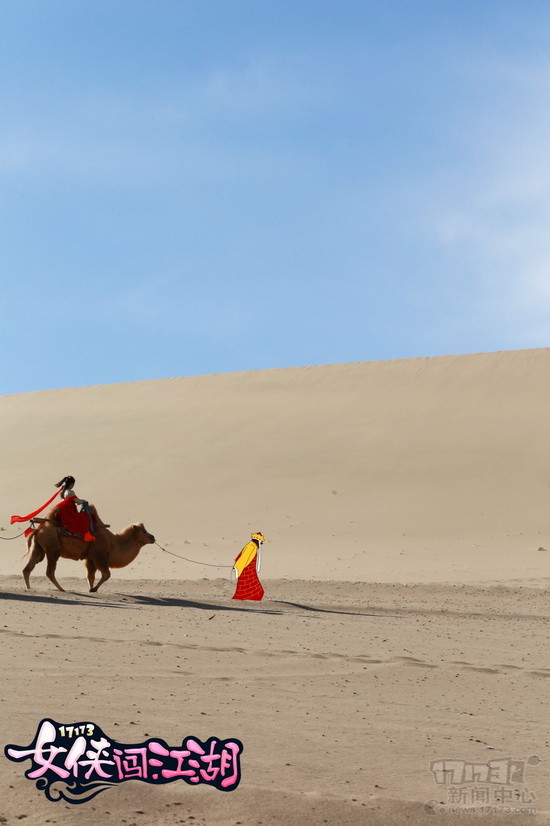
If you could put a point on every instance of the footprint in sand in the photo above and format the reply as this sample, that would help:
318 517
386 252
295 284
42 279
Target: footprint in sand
367 660
413 661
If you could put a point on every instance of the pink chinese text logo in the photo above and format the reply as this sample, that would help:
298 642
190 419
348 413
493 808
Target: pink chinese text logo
77 762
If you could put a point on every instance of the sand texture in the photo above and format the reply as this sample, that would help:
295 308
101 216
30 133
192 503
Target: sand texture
405 506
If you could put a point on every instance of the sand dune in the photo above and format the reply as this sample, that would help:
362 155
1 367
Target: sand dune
406 610
430 469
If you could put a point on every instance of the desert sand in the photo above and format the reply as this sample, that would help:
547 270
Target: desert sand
405 621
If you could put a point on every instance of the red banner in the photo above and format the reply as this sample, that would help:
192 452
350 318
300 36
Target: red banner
30 516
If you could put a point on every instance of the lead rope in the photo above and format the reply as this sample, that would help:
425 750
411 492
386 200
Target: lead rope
7 538
194 561
33 523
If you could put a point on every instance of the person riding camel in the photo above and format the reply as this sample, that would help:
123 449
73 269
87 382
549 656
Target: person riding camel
78 522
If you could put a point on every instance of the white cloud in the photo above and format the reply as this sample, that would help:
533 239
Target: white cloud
492 212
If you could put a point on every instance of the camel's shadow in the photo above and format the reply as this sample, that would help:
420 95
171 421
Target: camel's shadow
134 601
128 601
45 599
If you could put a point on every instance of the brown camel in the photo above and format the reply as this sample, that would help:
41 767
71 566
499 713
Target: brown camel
109 550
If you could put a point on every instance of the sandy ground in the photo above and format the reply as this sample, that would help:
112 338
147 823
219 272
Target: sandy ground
341 693
406 611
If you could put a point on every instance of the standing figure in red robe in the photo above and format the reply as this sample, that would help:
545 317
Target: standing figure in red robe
246 569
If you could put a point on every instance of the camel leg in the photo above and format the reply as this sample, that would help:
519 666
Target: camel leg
91 569
50 569
37 555
104 571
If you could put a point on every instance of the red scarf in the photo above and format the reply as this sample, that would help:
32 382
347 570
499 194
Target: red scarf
30 516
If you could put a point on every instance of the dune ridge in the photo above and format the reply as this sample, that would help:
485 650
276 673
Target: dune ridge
428 469
405 621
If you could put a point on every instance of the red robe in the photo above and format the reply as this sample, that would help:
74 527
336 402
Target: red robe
75 522
248 584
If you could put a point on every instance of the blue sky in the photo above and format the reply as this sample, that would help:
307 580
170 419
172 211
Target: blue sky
202 186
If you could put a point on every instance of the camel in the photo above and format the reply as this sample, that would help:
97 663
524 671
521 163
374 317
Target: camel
109 550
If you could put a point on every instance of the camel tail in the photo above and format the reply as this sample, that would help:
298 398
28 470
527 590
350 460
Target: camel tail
30 543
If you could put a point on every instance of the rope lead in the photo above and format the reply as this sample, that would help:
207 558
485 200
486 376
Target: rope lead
194 561
8 538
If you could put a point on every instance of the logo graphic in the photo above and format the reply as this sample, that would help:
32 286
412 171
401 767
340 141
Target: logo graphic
497 786
76 762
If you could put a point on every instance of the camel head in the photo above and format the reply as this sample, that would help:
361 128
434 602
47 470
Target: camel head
144 537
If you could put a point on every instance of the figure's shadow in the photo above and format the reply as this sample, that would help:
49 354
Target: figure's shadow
177 602
318 610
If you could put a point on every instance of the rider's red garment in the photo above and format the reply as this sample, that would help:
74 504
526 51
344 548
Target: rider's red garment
75 522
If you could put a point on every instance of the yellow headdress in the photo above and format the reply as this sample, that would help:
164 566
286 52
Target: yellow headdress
259 536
